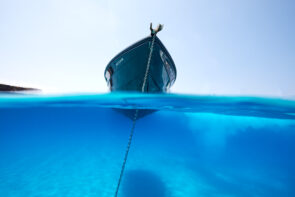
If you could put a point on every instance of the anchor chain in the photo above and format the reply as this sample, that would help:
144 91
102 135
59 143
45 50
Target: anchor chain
153 34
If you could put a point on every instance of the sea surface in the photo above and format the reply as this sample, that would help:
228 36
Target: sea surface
186 146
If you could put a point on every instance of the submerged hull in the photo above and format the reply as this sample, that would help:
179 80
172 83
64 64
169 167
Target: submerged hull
126 71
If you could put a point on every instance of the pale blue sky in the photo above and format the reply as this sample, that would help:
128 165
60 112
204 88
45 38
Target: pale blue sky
219 47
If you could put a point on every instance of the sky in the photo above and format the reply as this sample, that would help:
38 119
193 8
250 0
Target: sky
230 47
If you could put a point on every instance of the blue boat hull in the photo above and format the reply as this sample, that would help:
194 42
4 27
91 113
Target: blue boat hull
126 71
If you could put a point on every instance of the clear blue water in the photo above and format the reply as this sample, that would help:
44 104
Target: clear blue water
191 146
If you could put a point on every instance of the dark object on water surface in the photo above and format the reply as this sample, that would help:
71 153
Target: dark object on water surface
8 88
145 66
126 71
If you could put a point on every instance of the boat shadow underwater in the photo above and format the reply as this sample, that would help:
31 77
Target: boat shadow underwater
143 183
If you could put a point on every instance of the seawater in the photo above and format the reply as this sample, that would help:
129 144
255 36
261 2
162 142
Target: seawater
192 146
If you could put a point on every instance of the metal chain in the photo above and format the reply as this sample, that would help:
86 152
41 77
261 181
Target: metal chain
148 63
127 151
135 117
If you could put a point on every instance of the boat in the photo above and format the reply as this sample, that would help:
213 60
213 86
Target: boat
145 66
127 70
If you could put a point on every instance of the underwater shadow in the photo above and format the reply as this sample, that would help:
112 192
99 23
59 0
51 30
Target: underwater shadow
143 183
